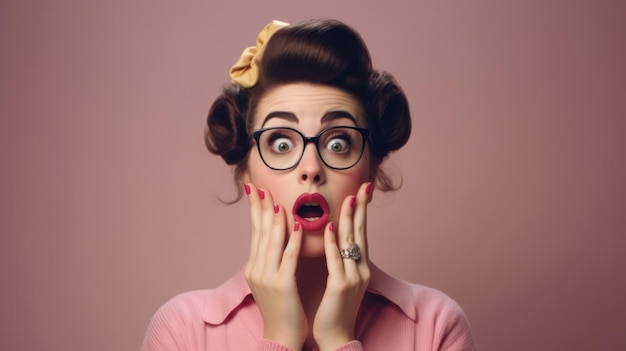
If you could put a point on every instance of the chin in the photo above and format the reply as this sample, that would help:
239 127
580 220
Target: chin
312 245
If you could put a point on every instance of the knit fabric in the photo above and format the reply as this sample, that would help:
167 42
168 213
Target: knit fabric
394 315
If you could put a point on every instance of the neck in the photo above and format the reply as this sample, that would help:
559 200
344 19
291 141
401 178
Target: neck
311 277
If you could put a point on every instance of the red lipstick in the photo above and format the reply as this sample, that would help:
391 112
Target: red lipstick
311 210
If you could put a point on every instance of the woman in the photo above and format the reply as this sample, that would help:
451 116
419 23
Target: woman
306 124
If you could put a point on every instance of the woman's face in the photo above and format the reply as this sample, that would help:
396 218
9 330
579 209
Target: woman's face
308 109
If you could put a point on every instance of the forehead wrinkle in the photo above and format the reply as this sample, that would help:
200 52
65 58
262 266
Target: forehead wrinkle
320 103
326 118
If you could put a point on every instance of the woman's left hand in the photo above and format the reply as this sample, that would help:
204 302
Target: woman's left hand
347 278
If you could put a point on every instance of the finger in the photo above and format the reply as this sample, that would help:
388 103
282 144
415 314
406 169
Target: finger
276 236
267 211
346 225
266 256
346 236
255 219
290 256
363 198
333 258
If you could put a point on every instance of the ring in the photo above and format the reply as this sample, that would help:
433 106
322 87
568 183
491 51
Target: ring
353 251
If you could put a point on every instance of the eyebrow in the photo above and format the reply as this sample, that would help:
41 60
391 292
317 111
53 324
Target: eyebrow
291 117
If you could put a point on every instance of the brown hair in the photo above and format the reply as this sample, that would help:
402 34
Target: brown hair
321 51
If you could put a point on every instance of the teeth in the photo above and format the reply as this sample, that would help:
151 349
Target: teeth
311 204
312 219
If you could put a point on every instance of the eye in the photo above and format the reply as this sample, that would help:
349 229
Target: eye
338 144
281 144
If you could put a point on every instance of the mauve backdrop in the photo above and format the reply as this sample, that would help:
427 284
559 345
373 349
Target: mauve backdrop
513 195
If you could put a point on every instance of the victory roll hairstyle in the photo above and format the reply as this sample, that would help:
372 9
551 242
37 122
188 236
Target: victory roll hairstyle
321 51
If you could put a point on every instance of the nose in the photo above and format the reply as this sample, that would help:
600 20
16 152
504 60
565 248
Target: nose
311 167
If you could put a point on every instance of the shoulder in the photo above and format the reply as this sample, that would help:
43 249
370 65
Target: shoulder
449 323
180 322
433 312
208 305
173 325
186 306
413 299
433 301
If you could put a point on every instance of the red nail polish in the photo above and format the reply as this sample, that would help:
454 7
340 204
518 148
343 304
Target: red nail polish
276 208
332 227
296 226
368 190
353 202
261 194
247 188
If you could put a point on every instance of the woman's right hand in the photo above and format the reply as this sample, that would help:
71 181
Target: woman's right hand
271 270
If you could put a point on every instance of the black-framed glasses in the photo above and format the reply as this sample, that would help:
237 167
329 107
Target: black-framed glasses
282 148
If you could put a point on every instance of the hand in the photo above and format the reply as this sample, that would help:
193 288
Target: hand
271 271
347 279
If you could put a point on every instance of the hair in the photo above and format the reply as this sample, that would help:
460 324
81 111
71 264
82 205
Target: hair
321 51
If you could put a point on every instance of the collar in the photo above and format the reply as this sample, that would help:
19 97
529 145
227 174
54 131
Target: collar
223 300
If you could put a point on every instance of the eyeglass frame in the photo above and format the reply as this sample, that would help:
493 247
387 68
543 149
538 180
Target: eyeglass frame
365 133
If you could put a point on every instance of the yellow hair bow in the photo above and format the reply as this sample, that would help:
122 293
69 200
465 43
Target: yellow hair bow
245 72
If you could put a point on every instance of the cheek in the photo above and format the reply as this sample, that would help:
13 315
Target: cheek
260 176
345 185
265 178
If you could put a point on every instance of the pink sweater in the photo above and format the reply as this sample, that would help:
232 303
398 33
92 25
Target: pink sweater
395 315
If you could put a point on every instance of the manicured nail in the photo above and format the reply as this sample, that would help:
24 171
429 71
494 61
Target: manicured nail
247 188
276 208
261 194
353 202
296 226
332 227
368 190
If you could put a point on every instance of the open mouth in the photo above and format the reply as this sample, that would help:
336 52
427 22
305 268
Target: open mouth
311 211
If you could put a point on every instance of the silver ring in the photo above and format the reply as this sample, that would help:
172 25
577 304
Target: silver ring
353 251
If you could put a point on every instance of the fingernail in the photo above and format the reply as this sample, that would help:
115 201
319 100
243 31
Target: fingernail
353 202
332 227
261 194
368 190
276 208
247 188
296 226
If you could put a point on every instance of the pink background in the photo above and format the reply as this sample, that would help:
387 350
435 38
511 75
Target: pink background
513 200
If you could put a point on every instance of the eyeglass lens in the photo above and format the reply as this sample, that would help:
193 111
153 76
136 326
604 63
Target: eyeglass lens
339 147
